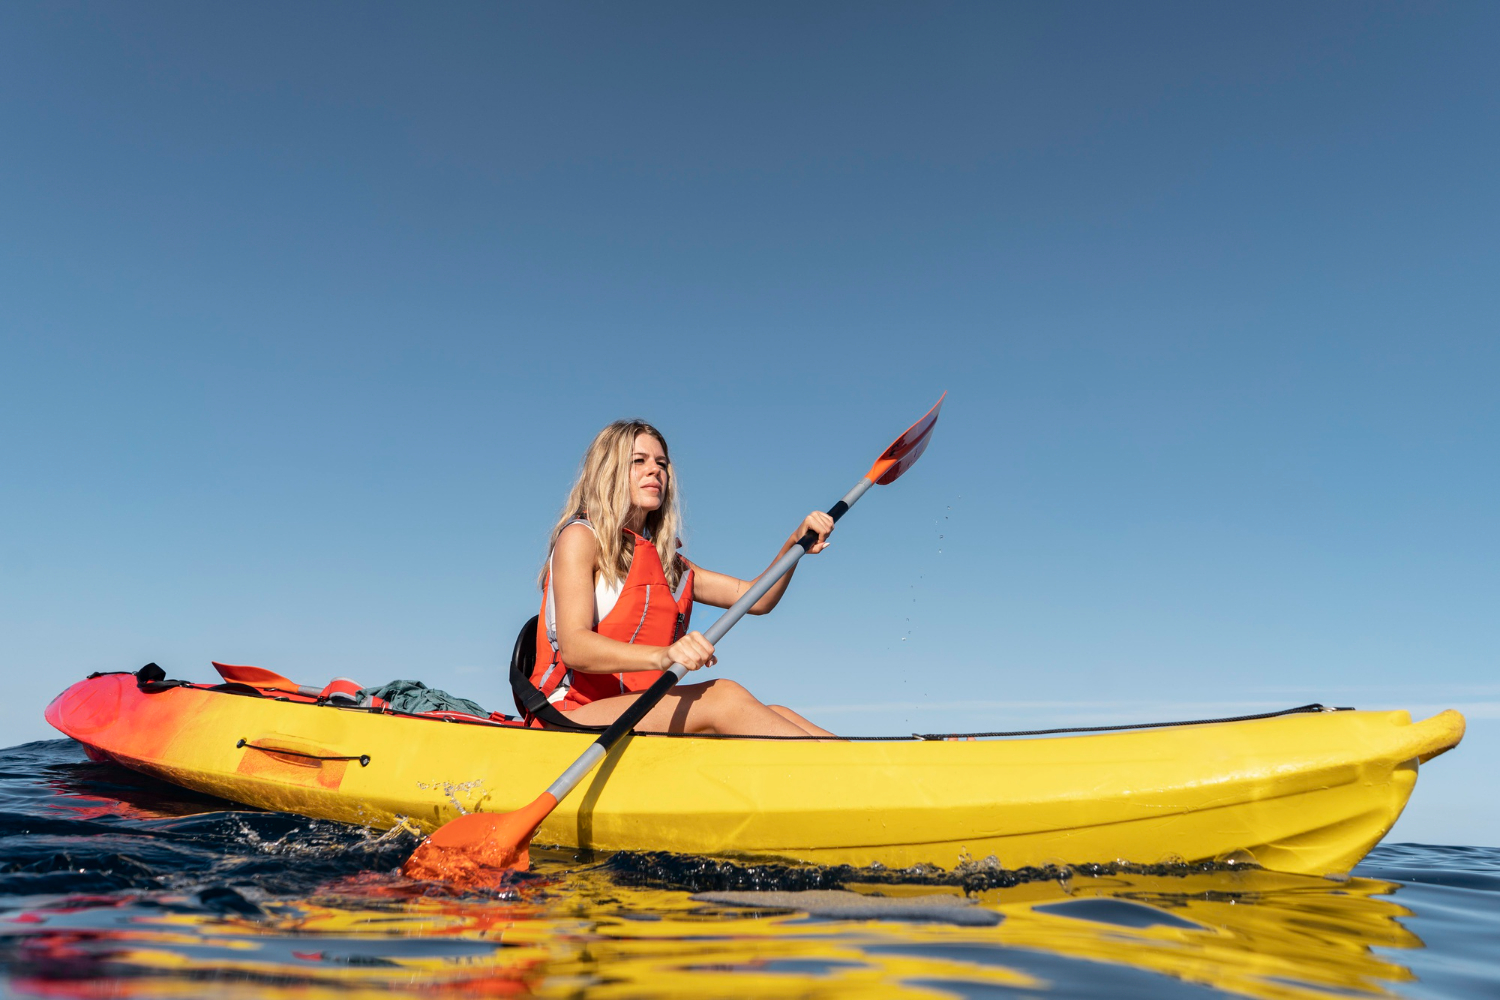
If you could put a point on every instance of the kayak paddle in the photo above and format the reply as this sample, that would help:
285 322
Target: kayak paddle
478 848
263 679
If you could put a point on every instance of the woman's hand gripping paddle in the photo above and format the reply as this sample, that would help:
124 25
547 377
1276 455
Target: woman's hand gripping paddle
478 848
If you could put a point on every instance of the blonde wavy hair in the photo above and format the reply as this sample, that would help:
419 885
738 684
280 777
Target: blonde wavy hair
602 494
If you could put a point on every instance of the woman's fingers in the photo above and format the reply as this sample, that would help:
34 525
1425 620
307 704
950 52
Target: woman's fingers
820 524
693 651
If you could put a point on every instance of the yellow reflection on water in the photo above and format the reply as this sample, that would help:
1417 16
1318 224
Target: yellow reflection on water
582 934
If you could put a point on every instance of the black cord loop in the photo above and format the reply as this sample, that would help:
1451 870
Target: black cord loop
1299 710
363 758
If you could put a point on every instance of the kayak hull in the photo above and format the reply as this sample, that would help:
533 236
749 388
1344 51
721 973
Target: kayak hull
1309 793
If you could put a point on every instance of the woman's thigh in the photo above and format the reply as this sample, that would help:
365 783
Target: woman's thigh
674 713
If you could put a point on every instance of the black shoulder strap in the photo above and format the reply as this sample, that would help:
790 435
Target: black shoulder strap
529 698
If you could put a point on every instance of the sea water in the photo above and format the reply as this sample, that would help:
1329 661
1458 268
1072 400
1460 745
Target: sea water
113 885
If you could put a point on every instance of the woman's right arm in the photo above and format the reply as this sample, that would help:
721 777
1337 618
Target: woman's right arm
580 647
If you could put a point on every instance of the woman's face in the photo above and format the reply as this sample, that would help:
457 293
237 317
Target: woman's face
648 472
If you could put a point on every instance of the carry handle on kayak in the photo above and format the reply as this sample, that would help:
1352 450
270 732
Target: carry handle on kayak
477 848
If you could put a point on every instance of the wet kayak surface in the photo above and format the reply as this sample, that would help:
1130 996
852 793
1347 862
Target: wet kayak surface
115 885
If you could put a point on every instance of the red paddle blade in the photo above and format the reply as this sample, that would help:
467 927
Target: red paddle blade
906 449
258 677
475 851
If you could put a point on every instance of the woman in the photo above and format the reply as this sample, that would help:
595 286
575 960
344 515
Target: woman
617 597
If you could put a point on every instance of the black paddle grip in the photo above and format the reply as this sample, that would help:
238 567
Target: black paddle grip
810 538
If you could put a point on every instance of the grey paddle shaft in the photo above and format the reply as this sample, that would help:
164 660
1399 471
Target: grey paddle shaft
591 757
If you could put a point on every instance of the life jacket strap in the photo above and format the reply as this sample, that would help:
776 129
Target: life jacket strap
529 698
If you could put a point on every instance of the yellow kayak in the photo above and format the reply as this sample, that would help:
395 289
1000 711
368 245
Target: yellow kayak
1309 792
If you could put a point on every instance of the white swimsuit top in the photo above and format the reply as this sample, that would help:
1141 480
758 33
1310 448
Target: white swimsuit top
605 593
605 596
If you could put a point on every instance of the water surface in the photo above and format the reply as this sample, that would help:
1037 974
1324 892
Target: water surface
114 885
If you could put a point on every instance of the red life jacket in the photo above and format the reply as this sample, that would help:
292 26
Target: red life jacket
648 611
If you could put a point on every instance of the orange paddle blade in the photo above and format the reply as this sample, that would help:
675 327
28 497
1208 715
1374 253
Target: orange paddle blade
477 850
906 449
258 677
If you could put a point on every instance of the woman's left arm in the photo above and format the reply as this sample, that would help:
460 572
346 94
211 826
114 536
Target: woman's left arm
721 590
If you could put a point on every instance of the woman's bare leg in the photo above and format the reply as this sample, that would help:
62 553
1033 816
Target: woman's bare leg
716 706
798 721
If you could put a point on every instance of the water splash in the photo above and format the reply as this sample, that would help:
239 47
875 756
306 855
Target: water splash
452 789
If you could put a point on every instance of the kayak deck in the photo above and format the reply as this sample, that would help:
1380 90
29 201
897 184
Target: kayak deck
1308 793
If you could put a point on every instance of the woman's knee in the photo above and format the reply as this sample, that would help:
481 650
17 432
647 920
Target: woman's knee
728 690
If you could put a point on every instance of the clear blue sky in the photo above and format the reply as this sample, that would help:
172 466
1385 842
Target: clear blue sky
309 310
